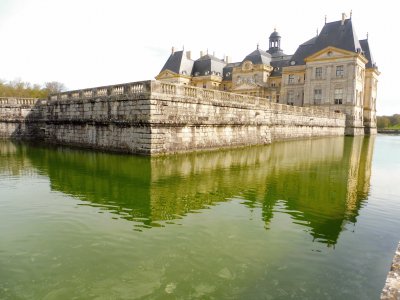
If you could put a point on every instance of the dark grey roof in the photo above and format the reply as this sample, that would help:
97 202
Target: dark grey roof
227 71
179 63
278 65
332 34
259 57
208 64
367 53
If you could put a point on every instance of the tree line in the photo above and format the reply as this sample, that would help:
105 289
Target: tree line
388 121
19 88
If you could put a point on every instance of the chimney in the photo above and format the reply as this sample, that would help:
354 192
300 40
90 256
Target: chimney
201 53
173 50
227 59
188 55
343 18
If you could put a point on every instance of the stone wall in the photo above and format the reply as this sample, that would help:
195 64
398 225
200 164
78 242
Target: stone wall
187 118
20 118
152 117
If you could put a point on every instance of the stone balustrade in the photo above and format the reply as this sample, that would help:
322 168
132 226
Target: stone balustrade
18 101
133 88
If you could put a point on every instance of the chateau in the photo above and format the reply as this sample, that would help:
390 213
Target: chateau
333 69
326 88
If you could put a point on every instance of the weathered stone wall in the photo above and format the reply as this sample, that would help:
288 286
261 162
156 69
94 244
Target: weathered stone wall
153 118
188 118
20 118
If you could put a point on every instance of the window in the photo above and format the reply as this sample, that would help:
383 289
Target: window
277 98
291 78
318 72
338 96
339 71
290 100
317 96
204 85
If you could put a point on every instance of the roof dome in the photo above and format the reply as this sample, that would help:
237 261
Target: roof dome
274 34
258 57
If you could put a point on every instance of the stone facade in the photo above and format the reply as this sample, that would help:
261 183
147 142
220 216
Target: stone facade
153 117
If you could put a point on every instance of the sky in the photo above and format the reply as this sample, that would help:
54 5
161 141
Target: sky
88 43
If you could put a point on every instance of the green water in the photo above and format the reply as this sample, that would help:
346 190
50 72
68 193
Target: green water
311 219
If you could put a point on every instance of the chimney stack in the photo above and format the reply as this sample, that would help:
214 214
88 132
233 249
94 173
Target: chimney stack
188 55
227 59
201 53
173 50
343 18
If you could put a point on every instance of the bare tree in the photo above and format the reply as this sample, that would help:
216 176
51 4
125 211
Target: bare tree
54 87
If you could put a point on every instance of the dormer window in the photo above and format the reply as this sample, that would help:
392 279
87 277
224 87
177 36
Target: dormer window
196 73
228 74
207 73
184 73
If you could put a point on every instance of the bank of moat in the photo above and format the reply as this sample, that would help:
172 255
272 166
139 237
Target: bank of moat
153 117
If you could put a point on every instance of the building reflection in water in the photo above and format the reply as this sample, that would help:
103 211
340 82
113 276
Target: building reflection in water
320 183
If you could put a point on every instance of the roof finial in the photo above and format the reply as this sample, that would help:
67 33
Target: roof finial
367 36
317 31
325 19
351 13
274 28
258 45
173 50
183 47
207 51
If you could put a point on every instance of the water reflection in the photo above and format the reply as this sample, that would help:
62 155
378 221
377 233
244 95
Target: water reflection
320 183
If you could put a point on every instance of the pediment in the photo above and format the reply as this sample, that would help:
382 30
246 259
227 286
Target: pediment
330 53
166 74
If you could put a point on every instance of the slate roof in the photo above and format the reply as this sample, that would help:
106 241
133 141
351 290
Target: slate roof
179 63
207 64
332 34
278 64
259 57
227 71
367 53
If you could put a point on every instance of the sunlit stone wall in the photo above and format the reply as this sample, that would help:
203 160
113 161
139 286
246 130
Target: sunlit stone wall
152 117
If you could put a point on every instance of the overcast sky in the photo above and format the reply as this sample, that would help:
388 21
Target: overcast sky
87 43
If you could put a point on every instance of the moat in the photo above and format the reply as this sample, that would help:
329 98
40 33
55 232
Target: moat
306 219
